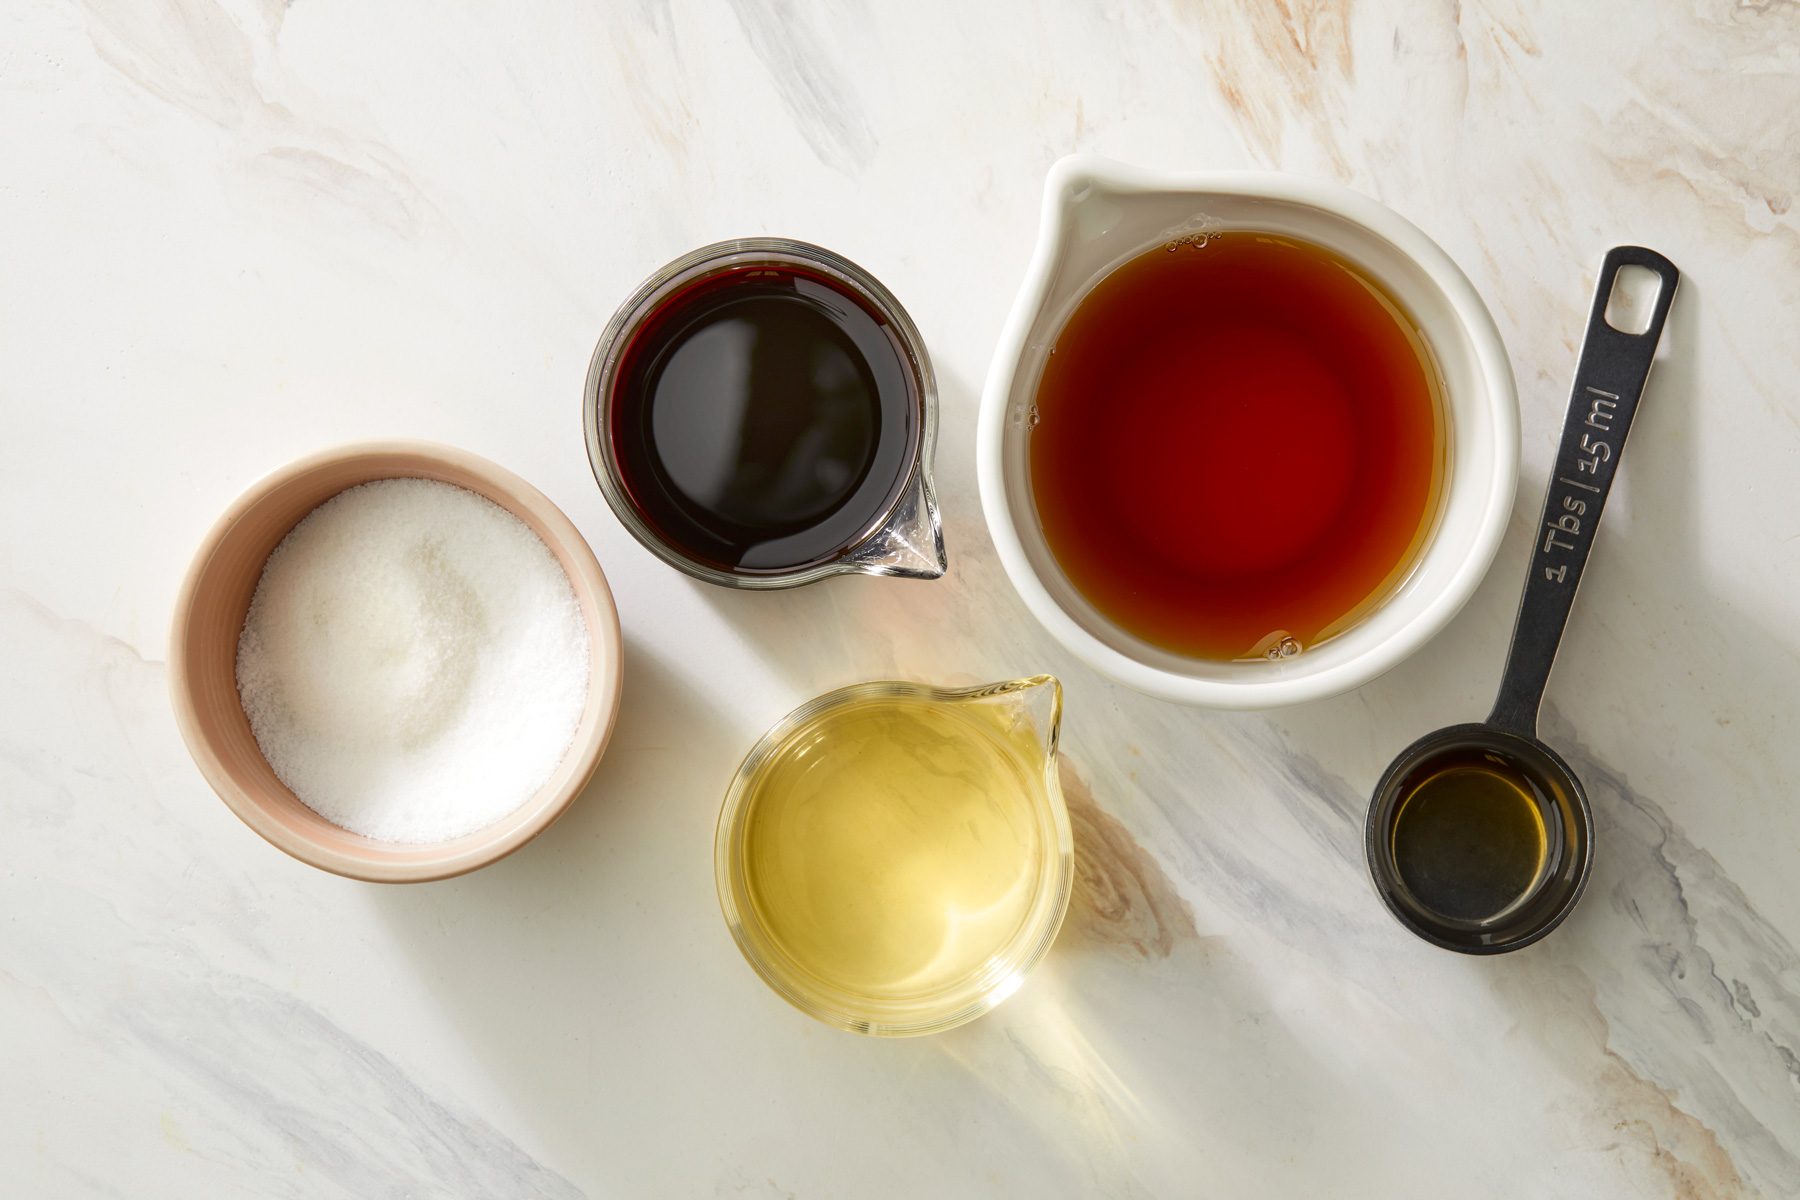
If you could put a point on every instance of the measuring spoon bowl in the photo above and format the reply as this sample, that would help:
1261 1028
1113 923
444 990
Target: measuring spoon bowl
1461 897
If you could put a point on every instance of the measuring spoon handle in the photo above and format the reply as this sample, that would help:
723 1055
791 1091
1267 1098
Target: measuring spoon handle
1609 379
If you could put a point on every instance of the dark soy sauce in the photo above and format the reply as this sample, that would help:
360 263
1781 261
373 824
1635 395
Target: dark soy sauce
1472 833
765 419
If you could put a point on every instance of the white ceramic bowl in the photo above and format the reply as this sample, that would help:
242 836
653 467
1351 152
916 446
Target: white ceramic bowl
1098 214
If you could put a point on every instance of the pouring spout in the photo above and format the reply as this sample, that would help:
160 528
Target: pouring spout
1033 706
911 544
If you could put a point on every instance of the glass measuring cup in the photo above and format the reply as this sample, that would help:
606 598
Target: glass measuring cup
1480 838
893 858
879 503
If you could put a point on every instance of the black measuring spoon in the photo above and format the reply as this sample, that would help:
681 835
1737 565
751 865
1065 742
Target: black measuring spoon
1480 838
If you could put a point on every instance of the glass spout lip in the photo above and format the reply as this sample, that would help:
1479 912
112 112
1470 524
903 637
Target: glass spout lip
886 1017
910 542
905 540
1028 692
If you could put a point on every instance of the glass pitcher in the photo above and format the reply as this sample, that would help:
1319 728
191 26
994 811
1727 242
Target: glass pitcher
893 858
895 531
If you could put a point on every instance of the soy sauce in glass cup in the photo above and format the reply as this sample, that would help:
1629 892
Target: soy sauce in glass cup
761 413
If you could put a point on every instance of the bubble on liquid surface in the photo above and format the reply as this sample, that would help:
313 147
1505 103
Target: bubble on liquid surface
1193 241
1281 646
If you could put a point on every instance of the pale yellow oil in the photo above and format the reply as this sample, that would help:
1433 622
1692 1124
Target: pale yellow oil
894 846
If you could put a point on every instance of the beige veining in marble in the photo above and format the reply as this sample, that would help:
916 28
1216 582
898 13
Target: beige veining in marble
234 232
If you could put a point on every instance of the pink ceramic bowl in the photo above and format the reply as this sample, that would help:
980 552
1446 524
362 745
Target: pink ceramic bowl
209 615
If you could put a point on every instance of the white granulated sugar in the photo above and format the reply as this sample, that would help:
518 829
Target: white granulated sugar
414 661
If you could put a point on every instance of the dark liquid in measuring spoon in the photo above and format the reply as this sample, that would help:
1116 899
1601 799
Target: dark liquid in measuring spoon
1236 442
765 419
1471 833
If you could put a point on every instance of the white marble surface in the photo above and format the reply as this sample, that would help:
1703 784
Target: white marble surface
234 233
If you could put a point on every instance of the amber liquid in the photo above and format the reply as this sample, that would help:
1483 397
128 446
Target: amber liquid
1239 446
1471 834
765 419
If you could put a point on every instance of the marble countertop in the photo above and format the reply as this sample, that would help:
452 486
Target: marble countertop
233 233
